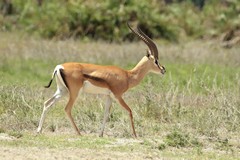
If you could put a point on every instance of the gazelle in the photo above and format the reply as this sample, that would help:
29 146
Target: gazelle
111 81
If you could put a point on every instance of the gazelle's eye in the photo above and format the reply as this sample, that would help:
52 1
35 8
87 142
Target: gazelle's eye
156 62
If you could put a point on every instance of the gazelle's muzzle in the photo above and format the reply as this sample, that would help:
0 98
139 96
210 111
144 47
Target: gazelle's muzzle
163 70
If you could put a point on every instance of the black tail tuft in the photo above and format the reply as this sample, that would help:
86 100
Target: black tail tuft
49 84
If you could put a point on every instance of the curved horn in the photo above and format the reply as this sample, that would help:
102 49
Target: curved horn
153 47
139 35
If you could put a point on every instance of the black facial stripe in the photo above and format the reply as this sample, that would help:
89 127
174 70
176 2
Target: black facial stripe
156 62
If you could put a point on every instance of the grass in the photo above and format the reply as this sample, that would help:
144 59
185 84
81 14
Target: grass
57 141
193 111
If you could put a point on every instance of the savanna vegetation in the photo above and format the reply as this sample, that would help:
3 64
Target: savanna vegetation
107 19
192 112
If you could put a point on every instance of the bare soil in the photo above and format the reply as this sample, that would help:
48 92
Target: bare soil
19 153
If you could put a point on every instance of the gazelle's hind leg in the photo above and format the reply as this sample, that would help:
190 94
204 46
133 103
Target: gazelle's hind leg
106 114
73 93
47 104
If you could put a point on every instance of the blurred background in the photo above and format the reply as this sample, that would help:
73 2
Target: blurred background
172 20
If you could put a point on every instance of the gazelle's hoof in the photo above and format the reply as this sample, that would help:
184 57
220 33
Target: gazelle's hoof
39 131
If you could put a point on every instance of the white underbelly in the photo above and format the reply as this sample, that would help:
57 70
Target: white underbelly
88 87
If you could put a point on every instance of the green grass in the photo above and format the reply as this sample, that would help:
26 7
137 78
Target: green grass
57 141
197 77
26 71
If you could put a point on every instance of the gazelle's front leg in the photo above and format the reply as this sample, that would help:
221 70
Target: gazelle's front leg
106 114
124 105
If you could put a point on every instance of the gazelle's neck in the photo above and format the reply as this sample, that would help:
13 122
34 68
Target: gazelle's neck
138 72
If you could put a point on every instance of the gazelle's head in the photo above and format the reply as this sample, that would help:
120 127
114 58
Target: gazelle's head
152 53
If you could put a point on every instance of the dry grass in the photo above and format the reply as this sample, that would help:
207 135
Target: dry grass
197 102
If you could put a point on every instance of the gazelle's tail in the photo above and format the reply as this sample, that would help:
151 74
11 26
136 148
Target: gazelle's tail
57 68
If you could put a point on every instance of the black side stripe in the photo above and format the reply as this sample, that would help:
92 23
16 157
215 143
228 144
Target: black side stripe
93 78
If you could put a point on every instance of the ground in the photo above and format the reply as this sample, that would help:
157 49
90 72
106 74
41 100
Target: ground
66 146
46 153
43 152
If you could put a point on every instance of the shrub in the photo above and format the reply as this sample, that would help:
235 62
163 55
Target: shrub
107 19
179 139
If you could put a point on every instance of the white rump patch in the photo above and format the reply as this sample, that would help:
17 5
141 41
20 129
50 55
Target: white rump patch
60 83
58 67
